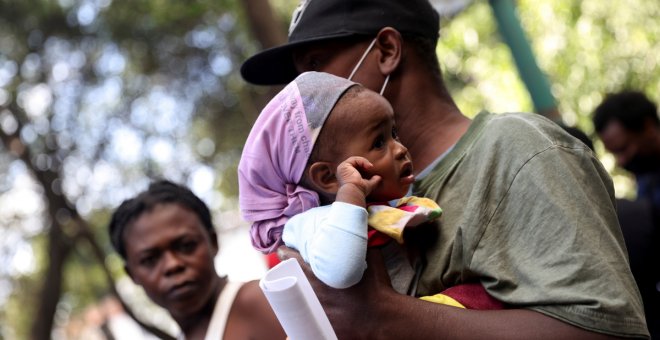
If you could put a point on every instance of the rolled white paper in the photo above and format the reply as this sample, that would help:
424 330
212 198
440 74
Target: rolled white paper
293 300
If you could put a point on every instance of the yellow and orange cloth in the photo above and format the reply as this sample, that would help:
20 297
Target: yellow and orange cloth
409 211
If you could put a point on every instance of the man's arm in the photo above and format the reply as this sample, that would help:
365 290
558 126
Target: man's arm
373 310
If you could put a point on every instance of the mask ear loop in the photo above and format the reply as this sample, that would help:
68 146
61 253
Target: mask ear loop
359 63
382 90
364 55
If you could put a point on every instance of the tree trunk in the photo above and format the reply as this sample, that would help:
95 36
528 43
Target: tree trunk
59 244
269 32
263 24
58 250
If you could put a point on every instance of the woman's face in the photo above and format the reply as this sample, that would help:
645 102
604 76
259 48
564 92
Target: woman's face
170 254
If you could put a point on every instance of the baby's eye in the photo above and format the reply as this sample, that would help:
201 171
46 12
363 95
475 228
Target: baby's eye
378 143
395 134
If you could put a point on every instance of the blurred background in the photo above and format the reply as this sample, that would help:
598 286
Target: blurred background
99 96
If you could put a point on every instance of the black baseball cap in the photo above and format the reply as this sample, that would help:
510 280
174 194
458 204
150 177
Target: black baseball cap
319 20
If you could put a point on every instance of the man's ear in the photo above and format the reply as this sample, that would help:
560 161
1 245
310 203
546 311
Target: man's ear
322 176
390 43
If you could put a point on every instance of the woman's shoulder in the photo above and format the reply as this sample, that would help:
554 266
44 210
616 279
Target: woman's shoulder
248 297
252 310
248 292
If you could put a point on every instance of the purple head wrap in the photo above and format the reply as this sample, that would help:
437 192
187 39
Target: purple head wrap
276 153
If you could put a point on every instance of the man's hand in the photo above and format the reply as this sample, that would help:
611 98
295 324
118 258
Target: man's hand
348 309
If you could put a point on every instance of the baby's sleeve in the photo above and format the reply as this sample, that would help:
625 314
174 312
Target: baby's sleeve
333 240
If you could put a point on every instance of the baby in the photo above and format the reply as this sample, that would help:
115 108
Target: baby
320 164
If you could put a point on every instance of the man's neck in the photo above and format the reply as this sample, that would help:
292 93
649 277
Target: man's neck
429 127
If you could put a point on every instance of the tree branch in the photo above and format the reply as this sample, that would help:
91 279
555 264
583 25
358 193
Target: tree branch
60 242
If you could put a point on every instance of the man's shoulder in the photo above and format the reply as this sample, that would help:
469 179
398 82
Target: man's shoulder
519 122
505 141
517 131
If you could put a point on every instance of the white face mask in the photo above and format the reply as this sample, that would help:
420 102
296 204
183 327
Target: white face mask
364 55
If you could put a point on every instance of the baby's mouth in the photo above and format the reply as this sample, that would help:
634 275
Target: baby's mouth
407 170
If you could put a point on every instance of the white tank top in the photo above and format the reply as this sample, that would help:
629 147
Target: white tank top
218 322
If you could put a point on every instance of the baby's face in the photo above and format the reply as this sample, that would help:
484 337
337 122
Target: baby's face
365 126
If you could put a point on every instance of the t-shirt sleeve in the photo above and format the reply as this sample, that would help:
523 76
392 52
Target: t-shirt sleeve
569 262
333 240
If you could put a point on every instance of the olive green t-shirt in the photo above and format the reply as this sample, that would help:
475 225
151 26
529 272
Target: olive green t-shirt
529 212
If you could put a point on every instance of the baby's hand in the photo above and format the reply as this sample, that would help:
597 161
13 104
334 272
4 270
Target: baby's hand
350 172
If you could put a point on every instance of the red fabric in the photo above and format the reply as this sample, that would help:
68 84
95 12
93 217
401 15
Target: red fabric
408 208
272 260
473 296
376 239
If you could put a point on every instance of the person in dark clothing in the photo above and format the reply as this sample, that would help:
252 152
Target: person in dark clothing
628 125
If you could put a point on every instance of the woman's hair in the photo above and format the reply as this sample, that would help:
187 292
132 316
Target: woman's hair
159 192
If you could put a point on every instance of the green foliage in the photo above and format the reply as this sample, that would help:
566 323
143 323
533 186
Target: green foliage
586 48
478 65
